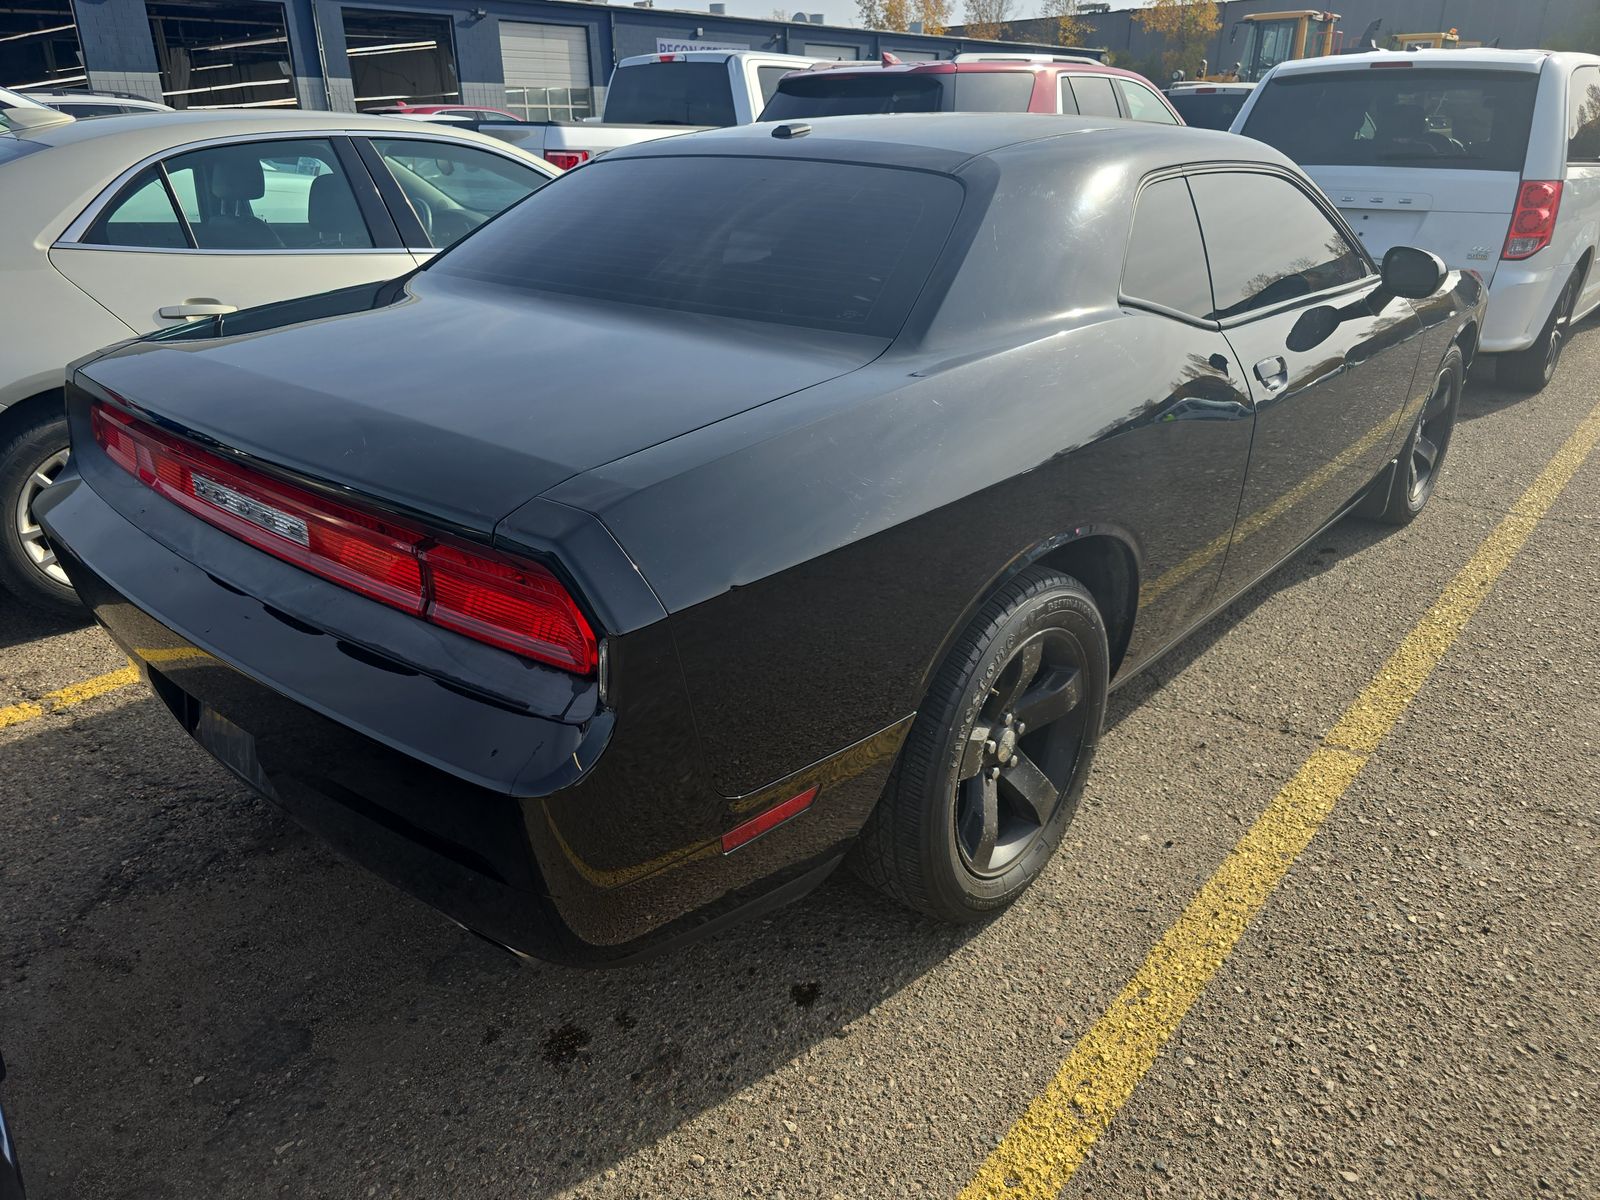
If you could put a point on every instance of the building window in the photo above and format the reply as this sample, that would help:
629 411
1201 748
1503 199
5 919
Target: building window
400 56
39 46
222 55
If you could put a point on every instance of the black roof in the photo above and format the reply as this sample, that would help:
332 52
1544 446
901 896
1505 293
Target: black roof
944 141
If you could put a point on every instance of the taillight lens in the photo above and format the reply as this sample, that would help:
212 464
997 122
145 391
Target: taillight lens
566 159
516 605
1533 223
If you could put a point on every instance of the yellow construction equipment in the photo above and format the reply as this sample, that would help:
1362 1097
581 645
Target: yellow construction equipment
1274 37
1448 39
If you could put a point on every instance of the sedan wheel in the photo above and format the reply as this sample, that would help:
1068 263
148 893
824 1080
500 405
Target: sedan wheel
1403 492
29 535
29 466
990 774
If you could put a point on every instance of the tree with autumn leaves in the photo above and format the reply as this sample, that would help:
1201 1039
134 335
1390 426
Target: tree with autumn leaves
898 14
1186 26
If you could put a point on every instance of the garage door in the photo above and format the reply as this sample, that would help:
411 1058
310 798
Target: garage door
547 71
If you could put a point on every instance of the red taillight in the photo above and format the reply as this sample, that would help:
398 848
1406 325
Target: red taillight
773 817
566 159
518 606
1533 223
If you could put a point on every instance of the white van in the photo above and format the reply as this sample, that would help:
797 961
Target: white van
1489 158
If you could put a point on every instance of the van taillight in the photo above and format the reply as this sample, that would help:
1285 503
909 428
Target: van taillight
566 159
507 602
1533 223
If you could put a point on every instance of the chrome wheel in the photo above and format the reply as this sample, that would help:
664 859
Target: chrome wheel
1432 437
1020 754
34 546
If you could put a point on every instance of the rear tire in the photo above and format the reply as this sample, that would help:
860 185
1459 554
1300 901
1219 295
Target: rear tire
1416 473
1531 370
991 772
29 462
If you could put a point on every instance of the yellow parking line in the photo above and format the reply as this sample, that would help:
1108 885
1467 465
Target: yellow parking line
1052 1139
75 693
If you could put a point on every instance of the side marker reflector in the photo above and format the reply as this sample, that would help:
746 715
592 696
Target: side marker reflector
771 819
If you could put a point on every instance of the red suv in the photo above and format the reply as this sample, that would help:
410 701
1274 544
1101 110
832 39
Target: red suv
970 83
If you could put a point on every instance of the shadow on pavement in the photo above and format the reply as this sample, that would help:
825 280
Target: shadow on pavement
20 624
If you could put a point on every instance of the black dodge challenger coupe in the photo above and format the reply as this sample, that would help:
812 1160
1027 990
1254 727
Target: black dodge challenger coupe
746 501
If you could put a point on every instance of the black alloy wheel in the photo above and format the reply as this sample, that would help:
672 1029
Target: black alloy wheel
1020 753
1400 495
1430 440
991 771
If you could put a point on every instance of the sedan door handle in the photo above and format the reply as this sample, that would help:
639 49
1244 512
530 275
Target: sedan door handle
1273 372
200 306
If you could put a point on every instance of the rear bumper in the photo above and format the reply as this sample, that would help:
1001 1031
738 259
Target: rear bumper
534 816
1521 299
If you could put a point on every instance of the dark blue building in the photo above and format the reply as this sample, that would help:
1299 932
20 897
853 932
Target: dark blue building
543 59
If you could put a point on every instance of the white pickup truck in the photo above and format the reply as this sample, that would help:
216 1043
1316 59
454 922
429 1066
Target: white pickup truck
654 96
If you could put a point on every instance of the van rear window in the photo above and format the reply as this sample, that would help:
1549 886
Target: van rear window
1399 117
832 246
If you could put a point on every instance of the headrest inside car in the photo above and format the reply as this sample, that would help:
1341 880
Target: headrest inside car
238 177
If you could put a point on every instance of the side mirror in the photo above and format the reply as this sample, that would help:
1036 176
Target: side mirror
1412 273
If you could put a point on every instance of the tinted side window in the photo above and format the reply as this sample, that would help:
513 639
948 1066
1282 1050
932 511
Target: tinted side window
1143 104
993 91
1583 116
1166 261
768 78
1069 103
142 216
276 195
454 189
1095 96
1268 242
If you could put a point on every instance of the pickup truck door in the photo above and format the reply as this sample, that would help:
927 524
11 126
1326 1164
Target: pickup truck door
1328 374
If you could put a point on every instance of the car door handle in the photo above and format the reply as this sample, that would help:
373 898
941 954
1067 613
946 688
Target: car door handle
200 306
1273 372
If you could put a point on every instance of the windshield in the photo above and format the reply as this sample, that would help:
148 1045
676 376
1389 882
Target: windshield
671 93
1266 44
1417 117
823 245
1210 111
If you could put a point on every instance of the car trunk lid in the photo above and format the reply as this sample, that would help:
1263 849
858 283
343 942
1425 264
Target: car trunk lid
462 403
1462 216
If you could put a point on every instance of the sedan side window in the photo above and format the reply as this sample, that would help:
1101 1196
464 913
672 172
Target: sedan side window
1095 96
142 215
452 188
1143 104
1166 262
278 195
1268 242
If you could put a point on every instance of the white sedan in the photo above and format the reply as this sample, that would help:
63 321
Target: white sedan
118 228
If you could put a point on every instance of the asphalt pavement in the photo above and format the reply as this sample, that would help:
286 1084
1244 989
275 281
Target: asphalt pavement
199 1000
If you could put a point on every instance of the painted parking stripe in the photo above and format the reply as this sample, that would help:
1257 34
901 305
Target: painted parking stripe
1053 1137
76 693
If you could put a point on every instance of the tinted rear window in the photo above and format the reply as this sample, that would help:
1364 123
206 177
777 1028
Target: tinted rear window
1399 117
1215 111
829 94
823 245
993 91
671 93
